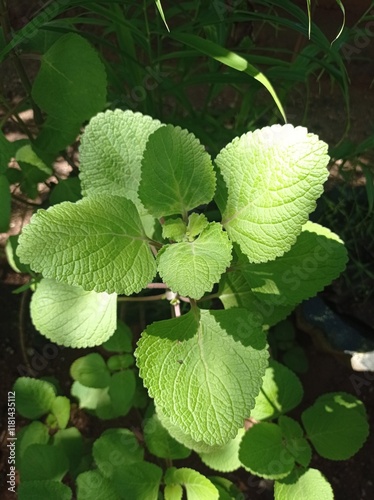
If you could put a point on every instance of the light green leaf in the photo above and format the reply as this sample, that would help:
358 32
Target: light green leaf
273 177
71 316
314 261
336 425
173 492
89 397
71 81
44 490
307 484
91 371
121 340
296 444
43 461
196 225
97 243
34 397
114 448
92 484
139 480
177 173
5 201
226 459
121 392
26 154
61 411
263 452
192 268
281 392
174 229
197 486
204 373
35 432
235 291
160 443
111 152
71 442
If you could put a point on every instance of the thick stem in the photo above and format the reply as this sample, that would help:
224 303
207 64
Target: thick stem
161 296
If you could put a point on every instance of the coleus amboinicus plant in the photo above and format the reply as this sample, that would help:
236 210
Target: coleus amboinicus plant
204 368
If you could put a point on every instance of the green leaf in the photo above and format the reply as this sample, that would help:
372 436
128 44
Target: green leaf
138 480
196 225
308 484
92 484
160 443
227 490
174 229
296 444
7 150
173 492
230 59
192 268
66 190
197 486
120 362
91 371
71 81
44 490
281 392
5 201
121 340
177 173
235 291
70 441
314 261
263 452
43 461
116 447
226 459
61 411
34 397
26 154
111 153
273 177
34 433
31 176
121 391
204 372
71 316
97 243
336 424
12 257
90 397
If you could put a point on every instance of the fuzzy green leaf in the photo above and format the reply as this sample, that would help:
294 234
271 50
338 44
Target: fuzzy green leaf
226 459
177 173
71 81
92 484
43 461
296 444
317 258
281 392
160 443
263 452
196 225
70 441
35 432
192 268
138 480
97 243
307 484
121 340
336 425
273 177
116 447
61 411
91 371
235 291
44 490
204 372
71 316
34 397
197 486
111 153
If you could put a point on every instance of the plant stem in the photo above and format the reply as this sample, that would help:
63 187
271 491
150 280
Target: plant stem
161 296
157 285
